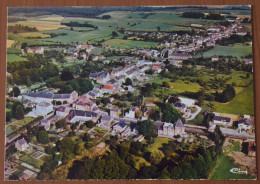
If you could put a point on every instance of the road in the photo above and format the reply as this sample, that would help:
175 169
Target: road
193 115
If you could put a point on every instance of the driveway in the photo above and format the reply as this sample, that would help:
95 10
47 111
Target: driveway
193 115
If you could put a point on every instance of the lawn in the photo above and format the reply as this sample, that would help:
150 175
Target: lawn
14 57
243 103
32 161
25 121
158 142
139 161
235 51
34 35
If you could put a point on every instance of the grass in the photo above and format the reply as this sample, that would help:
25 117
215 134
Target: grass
224 164
14 57
24 121
139 161
32 161
235 51
221 171
34 35
41 25
243 103
9 43
158 142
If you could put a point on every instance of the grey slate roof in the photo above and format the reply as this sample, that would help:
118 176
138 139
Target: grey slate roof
179 124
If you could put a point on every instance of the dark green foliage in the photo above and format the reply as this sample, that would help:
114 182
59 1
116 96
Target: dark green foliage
228 94
19 112
15 92
169 113
195 15
77 24
61 124
148 129
90 124
106 17
114 34
80 85
18 28
42 137
128 81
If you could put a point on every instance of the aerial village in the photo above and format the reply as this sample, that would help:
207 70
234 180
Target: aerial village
97 113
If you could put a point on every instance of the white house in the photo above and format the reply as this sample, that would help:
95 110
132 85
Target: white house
130 113
222 120
21 145
41 109
62 111
119 127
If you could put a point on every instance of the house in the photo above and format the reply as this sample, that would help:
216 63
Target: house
105 122
180 106
244 124
214 58
126 133
179 128
131 113
46 96
45 123
93 94
117 72
62 111
82 116
169 129
107 89
114 112
103 77
21 145
119 127
41 109
27 174
222 120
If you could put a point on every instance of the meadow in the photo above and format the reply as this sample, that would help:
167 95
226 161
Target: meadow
242 103
235 51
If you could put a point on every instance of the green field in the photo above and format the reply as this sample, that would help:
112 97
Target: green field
14 57
235 51
243 103
158 142
32 161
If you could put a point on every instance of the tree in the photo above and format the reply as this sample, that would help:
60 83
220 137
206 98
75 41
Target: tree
24 45
128 81
114 34
43 137
19 113
90 124
170 114
15 92
156 157
66 76
148 129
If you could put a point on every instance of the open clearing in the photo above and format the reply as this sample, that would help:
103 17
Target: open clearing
9 43
243 103
235 51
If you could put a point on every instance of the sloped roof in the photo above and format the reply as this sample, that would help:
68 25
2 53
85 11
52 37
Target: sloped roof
179 124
